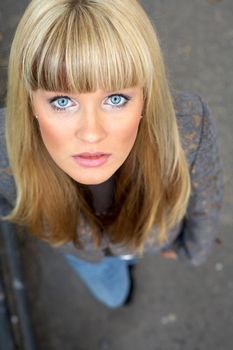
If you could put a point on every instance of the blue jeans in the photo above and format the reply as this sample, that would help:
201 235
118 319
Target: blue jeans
108 280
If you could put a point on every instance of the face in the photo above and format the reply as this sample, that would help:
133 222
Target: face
89 135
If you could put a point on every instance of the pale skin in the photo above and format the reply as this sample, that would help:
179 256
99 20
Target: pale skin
93 123
90 122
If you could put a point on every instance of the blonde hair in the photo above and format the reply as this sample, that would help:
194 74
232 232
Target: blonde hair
80 45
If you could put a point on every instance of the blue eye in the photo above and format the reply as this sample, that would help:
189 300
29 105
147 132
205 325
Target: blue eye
61 103
117 100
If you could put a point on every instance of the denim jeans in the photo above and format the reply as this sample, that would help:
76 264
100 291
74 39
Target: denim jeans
108 280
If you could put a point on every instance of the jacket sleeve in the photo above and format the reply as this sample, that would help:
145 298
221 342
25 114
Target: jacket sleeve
201 223
7 185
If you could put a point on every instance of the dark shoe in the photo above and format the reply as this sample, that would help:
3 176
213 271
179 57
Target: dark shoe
131 294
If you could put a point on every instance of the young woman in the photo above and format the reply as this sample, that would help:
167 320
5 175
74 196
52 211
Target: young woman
107 164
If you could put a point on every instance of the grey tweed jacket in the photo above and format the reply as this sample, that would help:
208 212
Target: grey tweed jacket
192 238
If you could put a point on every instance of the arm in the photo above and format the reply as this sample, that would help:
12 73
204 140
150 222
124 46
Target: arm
7 185
201 224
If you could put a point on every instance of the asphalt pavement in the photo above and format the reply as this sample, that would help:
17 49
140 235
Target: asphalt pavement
176 306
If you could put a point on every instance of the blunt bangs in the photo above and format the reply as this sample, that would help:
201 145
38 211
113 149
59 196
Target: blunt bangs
84 49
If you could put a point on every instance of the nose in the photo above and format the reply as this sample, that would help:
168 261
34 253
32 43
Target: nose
90 126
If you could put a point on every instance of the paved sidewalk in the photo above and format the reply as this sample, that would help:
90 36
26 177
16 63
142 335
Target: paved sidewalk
176 306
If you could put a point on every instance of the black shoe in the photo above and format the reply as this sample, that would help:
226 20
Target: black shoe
131 293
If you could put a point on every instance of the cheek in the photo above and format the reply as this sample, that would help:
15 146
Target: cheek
128 133
52 137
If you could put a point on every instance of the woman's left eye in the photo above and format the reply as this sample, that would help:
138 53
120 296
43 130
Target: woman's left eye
61 103
117 100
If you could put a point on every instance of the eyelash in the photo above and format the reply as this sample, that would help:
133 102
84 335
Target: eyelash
127 99
60 109
56 98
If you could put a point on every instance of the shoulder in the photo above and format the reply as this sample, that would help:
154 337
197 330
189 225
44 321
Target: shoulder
186 103
7 185
192 114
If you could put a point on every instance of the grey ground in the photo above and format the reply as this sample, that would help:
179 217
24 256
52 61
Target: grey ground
176 306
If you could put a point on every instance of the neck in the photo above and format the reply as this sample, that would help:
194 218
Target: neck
102 195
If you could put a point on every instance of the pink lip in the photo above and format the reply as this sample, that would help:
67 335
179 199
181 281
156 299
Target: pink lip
91 160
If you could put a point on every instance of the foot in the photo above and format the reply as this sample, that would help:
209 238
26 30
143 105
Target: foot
131 293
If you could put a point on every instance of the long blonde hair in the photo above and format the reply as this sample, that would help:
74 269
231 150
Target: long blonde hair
80 45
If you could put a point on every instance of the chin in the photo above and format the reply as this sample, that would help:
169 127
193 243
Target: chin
91 180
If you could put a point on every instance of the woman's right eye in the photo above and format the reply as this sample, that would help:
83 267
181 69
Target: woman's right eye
61 103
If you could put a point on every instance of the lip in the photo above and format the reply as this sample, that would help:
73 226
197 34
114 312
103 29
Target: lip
91 160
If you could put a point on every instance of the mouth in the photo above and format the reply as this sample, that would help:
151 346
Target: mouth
91 160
